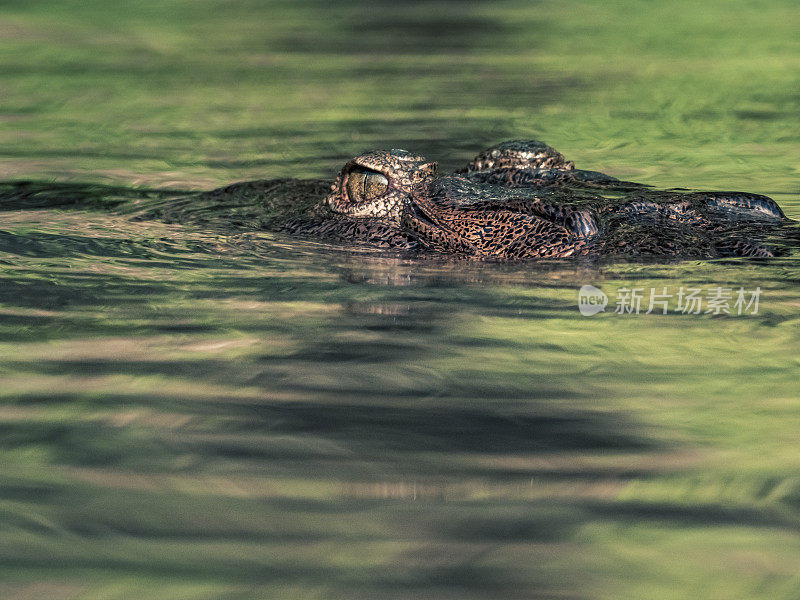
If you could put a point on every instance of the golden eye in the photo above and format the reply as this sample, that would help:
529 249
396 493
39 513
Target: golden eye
364 185
355 185
375 186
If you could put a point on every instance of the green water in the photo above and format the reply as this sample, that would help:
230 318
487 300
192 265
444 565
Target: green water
194 413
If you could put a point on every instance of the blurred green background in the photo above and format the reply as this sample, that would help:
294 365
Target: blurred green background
201 414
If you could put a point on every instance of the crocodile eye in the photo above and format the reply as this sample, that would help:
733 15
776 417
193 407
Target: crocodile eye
364 185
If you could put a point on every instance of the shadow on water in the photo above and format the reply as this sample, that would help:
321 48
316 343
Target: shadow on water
219 411
365 424
357 415
386 29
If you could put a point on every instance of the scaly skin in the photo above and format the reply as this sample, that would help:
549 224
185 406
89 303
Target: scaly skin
522 199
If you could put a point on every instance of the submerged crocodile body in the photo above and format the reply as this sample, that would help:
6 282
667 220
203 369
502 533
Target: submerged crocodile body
522 200
516 200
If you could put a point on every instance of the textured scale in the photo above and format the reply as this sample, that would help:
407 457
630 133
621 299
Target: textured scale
522 199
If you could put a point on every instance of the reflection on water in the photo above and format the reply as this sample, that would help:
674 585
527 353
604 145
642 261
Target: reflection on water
256 412
179 95
192 413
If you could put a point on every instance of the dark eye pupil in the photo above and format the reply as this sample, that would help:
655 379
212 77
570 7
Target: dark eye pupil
374 185
363 185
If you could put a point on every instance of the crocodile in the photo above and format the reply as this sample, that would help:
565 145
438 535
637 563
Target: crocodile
522 199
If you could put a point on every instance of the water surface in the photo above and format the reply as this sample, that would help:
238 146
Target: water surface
189 412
